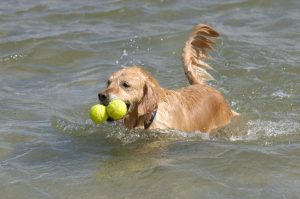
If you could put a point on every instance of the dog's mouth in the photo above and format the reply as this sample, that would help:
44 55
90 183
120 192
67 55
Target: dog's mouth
128 106
109 119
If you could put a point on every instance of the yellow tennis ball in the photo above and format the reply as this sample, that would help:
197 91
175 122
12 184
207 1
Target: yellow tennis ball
116 109
98 113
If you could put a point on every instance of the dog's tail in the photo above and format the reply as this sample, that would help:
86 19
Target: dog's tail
195 52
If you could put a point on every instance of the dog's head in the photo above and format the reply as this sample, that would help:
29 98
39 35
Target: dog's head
135 87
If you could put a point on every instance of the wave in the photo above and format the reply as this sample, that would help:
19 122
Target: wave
258 131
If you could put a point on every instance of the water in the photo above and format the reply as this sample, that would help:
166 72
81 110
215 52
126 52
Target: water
55 56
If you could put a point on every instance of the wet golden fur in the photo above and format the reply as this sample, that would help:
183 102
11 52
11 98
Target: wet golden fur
197 107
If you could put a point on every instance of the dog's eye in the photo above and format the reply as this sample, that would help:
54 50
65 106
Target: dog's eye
108 82
125 85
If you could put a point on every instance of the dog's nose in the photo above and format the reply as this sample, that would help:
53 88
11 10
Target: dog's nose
102 96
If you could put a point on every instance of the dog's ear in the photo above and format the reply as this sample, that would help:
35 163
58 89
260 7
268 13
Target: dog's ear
149 101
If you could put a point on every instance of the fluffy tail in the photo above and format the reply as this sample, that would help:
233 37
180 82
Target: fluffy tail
195 52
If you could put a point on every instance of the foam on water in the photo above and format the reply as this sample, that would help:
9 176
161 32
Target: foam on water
75 129
272 129
258 130
115 131
254 130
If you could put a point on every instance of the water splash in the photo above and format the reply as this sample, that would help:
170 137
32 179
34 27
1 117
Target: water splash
116 133
267 131
128 56
125 136
253 130
67 127
272 129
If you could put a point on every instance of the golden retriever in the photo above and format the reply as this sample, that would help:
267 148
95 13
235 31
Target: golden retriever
197 107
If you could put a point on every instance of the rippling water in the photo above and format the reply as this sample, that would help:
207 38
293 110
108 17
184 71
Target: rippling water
55 56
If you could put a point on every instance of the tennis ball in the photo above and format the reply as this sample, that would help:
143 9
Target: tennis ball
116 109
98 113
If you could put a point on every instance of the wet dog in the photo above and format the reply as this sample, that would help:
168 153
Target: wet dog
197 107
